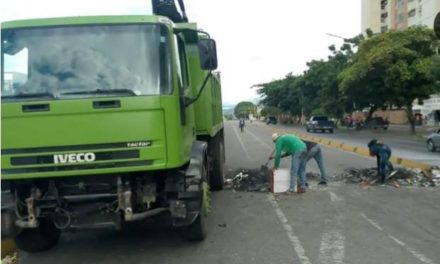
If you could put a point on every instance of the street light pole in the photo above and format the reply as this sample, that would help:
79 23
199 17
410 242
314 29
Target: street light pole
336 36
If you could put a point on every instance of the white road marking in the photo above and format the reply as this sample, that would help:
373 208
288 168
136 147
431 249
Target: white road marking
334 197
294 240
416 254
371 222
413 252
241 143
332 249
259 140
397 241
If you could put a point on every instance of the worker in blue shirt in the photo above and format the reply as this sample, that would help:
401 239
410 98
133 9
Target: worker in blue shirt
383 154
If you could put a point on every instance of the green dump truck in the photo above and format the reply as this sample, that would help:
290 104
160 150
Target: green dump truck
107 120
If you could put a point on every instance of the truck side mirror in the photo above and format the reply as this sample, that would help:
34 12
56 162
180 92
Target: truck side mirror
208 54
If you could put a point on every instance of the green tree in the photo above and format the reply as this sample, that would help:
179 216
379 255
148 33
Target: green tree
243 109
270 111
393 68
319 84
316 90
282 94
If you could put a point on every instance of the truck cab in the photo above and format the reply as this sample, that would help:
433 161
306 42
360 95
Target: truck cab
107 120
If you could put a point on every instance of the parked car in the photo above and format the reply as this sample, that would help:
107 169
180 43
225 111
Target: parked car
433 141
271 120
377 122
321 123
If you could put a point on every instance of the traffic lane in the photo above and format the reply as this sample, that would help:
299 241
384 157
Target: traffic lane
332 234
407 214
404 148
242 228
364 136
317 223
337 221
240 152
373 226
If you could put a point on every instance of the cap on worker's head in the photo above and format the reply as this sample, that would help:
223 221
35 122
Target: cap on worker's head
275 136
372 142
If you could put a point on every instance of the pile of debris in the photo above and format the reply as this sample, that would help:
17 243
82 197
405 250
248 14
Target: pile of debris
397 178
245 180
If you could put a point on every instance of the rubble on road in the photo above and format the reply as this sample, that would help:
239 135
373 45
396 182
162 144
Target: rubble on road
313 176
399 177
246 180
257 180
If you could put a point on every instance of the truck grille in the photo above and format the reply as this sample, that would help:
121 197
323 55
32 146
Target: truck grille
76 157
141 143
99 156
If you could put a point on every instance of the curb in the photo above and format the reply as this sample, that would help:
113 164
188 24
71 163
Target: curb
411 164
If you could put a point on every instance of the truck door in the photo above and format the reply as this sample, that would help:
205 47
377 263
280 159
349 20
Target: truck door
186 112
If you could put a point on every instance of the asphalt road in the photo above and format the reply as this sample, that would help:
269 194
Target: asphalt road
340 223
401 143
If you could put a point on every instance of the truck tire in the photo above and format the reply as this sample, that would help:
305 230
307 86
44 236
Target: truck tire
330 131
197 230
216 180
39 239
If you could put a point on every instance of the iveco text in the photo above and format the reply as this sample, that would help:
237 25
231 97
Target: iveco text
74 158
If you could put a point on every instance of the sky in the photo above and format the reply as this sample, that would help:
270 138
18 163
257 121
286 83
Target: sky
257 41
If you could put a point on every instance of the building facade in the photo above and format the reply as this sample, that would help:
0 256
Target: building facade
383 15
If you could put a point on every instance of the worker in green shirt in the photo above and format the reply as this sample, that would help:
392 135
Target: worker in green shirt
291 145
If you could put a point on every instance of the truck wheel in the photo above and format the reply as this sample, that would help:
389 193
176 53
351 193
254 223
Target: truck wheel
308 130
216 181
197 230
39 239
330 131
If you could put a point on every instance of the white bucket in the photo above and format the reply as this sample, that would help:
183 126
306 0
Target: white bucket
280 180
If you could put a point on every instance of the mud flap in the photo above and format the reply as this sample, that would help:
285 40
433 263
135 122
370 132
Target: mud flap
196 175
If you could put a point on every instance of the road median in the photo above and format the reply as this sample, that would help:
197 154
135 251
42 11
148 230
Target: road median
406 163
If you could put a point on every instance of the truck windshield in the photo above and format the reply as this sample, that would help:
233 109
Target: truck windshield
85 61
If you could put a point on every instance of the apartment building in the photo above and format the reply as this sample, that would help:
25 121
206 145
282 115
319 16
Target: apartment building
383 15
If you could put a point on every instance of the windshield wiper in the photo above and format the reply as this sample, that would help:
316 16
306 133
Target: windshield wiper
101 91
29 95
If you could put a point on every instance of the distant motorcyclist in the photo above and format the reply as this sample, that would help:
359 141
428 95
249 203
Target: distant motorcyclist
241 124
383 154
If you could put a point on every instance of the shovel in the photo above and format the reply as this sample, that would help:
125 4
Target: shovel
267 162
